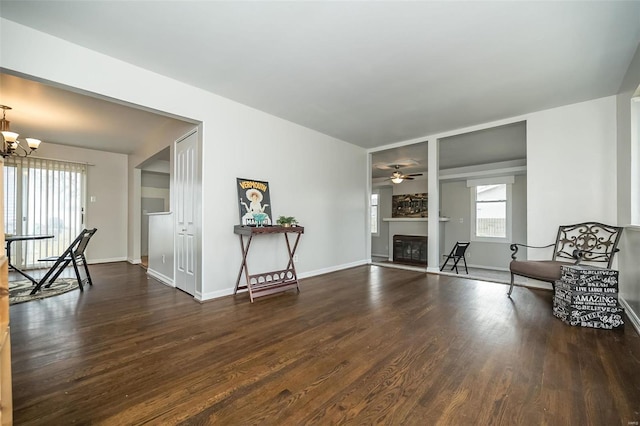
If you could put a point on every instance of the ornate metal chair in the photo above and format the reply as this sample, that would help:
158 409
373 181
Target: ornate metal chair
591 242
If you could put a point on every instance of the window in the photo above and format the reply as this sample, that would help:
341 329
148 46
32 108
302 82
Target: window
42 197
374 213
491 209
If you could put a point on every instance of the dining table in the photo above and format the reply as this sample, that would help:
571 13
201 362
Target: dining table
10 239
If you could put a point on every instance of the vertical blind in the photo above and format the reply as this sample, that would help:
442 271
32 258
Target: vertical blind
43 197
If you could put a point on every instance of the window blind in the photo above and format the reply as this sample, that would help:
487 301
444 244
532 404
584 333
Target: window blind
43 197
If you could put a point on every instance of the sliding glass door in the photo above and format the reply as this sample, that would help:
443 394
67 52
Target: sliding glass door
43 197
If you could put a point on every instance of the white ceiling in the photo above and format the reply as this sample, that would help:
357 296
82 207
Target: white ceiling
369 73
58 115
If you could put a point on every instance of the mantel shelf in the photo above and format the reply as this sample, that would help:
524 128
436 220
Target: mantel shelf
411 219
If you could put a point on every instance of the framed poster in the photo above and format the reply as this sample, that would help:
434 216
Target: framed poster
410 205
255 202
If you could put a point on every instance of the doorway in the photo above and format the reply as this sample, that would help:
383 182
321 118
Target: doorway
155 195
463 159
398 174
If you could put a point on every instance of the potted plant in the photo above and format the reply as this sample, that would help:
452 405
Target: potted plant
287 221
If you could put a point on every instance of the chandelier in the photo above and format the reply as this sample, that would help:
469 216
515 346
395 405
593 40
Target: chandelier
10 144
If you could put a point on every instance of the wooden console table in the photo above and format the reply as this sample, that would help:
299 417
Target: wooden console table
267 282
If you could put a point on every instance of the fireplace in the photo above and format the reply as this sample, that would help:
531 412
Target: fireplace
410 249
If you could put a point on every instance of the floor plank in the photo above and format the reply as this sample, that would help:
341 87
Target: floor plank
364 345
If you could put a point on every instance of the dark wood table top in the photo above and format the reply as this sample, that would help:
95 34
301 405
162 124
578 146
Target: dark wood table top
10 238
252 230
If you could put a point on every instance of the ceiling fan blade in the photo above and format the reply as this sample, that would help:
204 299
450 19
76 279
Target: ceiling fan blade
407 178
415 174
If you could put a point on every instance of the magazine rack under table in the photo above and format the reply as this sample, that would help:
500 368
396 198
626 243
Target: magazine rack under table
271 282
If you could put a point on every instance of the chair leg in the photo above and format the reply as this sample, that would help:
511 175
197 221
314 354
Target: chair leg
465 265
445 263
511 286
86 269
57 274
78 277
53 270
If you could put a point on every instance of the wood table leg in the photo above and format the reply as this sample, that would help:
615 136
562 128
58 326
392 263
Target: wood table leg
266 283
291 254
243 266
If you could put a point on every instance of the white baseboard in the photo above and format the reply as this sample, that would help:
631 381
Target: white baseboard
405 267
633 316
332 269
134 261
386 255
490 268
161 277
214 294
110 260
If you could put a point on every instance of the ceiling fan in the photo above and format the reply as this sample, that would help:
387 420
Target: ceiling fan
398 177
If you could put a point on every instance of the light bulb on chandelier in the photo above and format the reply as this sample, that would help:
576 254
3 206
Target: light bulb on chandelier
11 145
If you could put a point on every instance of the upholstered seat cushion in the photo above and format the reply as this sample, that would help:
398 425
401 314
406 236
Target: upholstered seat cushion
543 270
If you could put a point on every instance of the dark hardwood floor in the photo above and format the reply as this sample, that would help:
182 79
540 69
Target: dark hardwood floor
368 345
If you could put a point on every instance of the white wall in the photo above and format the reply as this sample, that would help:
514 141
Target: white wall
571 169
161 251
318 179
107 182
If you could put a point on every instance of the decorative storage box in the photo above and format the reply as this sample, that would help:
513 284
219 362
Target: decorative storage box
595 317
589 276
587 296
586 299
594 289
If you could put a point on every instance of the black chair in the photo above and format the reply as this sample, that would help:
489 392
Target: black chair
73 254
456 254
591 242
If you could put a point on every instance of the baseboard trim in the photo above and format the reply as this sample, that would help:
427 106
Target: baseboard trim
631 314
400 266
110 260
203 297
386 256
332 269
161 277
134 261
489 268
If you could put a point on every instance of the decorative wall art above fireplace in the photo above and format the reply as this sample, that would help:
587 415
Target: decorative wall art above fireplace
410 205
